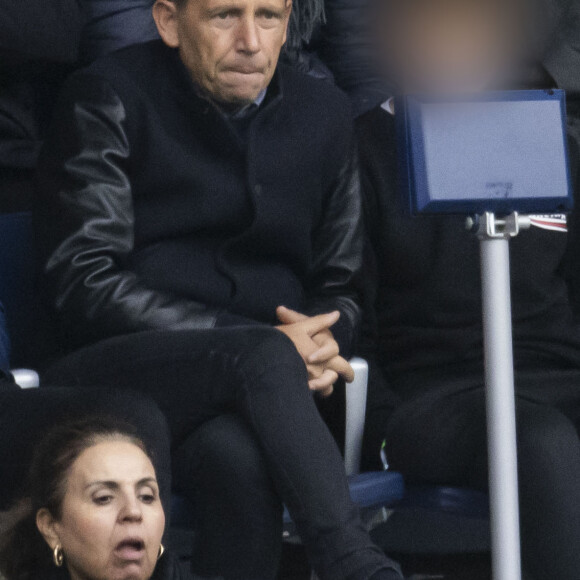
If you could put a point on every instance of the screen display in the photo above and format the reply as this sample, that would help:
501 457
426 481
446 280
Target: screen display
487 154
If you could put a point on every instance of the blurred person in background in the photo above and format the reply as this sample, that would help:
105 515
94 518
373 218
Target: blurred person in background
346 45
428 296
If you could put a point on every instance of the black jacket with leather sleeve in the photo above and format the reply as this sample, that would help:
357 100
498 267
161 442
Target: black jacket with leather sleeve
154 212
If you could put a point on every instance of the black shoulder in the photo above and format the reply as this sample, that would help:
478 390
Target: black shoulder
310 92
375 120
135 64
375 130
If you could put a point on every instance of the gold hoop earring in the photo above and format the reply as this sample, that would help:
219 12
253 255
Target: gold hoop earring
161 551
58 556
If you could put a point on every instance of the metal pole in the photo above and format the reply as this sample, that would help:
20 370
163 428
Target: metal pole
501 423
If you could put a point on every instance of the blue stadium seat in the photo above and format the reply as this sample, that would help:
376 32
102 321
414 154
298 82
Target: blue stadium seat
458 501
373 490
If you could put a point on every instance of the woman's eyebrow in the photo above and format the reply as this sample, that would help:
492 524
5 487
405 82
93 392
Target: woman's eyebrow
108 484
146 481
115 485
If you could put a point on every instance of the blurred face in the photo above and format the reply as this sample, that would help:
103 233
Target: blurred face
446 46
230 47
112 520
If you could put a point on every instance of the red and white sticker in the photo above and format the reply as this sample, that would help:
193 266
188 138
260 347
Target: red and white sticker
554 222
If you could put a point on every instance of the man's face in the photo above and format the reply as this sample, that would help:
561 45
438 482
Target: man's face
230 47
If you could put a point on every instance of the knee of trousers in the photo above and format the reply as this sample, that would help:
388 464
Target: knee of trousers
269 349
227 457
546 438
137 408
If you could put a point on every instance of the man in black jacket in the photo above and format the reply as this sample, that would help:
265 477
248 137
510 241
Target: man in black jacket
191 188
429 297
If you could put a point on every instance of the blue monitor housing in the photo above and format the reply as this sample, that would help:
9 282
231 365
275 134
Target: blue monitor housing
492 152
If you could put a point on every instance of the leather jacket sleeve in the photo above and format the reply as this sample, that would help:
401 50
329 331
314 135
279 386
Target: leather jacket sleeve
335 282
85 222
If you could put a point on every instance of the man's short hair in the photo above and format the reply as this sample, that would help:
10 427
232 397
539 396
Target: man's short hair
306 17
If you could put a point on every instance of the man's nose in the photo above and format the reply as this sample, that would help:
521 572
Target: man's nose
248 36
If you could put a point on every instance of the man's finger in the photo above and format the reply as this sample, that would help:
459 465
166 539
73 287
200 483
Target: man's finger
328 350
324 384
315 324
315 371
342 367
324 393
289 316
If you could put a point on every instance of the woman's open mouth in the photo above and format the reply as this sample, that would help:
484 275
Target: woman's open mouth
130 549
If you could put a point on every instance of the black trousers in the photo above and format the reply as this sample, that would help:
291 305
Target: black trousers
440 437
255 377
26 415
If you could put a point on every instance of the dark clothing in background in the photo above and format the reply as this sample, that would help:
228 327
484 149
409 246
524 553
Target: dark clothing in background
114 24
28 91
41 30
38 47
429 346
197 376
346 46
181 225
4 344
561 57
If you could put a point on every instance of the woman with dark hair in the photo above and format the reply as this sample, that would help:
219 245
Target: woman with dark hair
93 509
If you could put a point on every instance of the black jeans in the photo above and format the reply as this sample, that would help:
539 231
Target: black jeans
256 374
222 469
26 415
440 437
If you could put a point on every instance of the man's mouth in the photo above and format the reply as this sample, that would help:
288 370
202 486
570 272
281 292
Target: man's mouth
130 549
246 70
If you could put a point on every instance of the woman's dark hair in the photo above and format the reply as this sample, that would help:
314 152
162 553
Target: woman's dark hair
23 551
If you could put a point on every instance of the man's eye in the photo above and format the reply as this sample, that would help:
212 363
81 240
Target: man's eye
224 15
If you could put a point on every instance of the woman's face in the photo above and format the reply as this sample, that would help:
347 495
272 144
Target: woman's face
447 45
112 520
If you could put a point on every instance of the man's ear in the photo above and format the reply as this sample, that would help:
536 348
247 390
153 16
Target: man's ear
46 525
165 16
288 14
